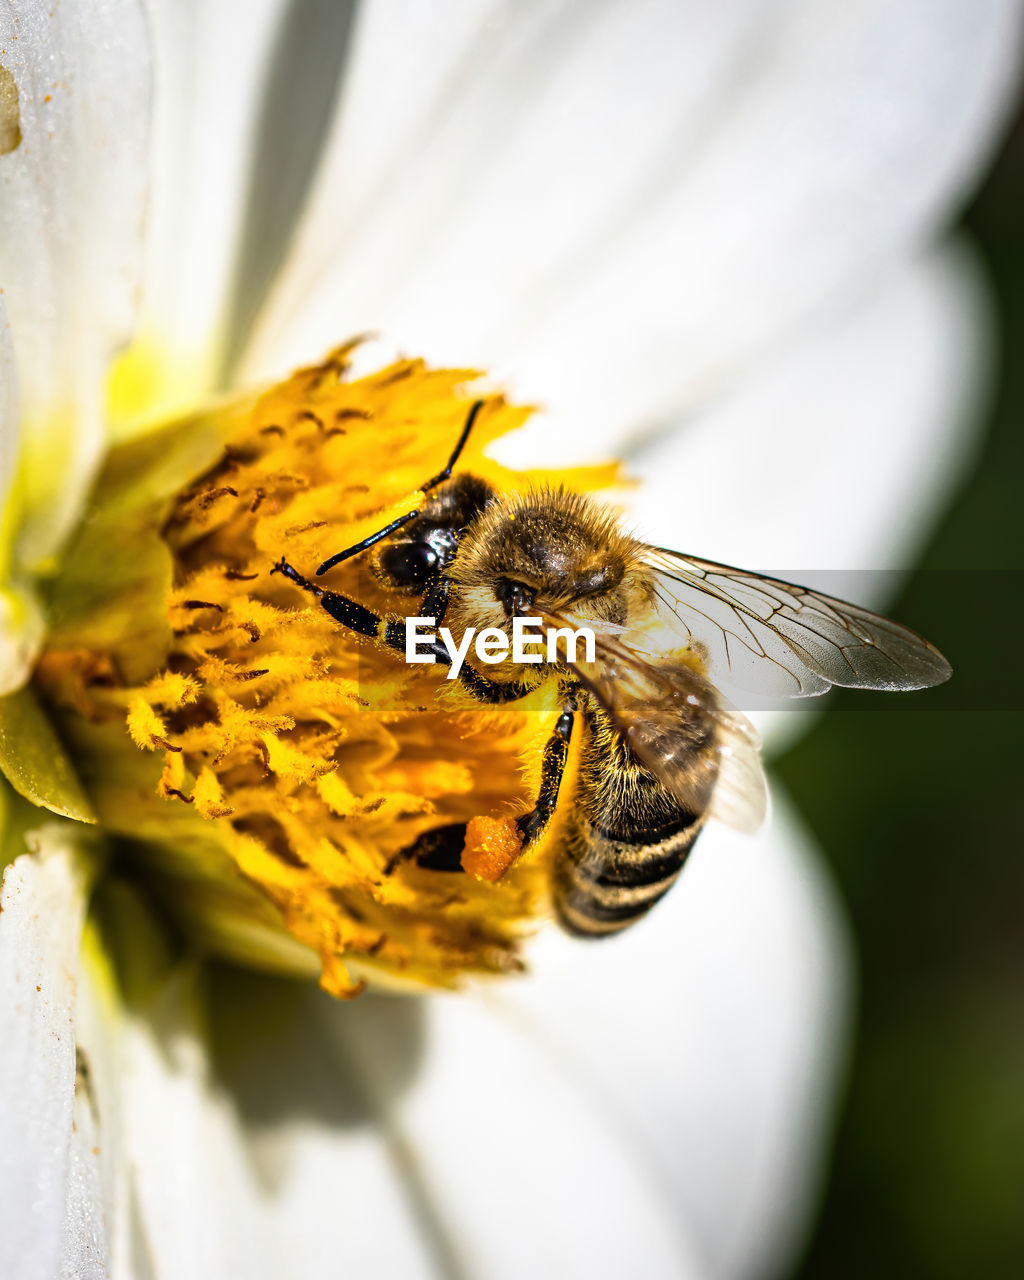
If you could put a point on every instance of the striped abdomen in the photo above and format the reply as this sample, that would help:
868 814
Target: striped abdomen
629 838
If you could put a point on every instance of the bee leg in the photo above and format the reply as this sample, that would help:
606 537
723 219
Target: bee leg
348 612
441 848
435 605
293 575
365 622
556 751
436 850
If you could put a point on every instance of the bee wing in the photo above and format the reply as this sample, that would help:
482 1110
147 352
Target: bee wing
740 798
702 751
769 636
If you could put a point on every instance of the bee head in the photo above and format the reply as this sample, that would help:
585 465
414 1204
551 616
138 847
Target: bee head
550 551
426 546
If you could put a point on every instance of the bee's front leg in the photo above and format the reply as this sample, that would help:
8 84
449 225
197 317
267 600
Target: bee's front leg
350 613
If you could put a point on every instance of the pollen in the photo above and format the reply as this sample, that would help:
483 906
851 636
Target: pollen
492 846
268 769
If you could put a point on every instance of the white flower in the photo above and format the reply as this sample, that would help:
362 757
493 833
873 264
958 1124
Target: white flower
704 228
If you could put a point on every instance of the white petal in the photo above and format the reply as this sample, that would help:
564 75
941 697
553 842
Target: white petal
85 1248
614 206
152 1178
845 150
426 1137
209 60
21 620
71 204
838 453
193 1198
218 125
22 630
186 1202
496 111
711 1032
8 406
537 1177
341 1196
41 913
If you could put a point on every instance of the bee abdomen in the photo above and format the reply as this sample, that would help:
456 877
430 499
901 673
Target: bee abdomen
604 884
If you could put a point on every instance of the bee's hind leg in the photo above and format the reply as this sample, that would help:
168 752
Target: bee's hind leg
532 825
441 849
436 850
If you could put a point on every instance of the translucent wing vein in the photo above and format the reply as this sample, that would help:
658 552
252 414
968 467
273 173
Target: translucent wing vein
773 637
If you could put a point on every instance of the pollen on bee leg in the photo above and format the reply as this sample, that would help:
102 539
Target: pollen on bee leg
279 765
492 846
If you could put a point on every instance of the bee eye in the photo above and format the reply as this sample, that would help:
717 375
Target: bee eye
409 563
516 597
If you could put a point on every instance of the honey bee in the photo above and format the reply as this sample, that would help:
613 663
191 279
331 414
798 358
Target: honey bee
661 750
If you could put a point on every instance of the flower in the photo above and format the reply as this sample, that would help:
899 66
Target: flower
460 201
278 744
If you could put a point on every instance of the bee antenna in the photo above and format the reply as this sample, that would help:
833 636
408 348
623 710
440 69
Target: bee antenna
460 444
432 483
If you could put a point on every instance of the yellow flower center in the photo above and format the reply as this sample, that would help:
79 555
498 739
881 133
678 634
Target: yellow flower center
279 751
